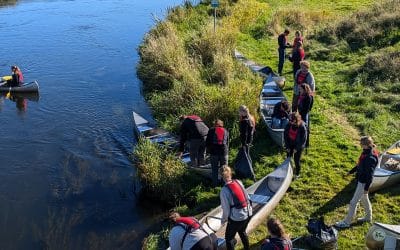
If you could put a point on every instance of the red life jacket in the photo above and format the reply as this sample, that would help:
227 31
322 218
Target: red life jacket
194 118
220 137
293 133
238 194
189 221
301 77
363 156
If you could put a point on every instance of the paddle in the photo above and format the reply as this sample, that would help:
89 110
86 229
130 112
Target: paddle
9 93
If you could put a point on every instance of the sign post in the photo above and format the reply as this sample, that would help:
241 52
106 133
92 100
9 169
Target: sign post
214 4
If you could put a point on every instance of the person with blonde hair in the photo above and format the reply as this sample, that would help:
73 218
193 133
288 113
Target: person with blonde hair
236 209
278 238
364 169
247 125
302 76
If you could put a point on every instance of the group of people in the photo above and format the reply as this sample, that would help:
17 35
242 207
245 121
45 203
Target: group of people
215 140
16 78
297 55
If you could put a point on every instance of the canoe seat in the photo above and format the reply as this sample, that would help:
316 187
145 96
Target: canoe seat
144 128
257 198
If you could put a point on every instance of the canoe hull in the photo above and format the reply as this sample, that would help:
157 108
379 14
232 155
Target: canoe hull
25 88
377 234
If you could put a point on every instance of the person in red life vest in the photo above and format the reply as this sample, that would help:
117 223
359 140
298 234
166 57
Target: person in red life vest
283 44
365 167
187 233
236 209
297 56
295 136
279 239
17 77
297 38
194 131
305 102
280 115
217 143
247 125
303 75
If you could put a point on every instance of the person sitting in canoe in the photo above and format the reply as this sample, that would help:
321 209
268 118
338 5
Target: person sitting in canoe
17 78
236 209
280 115
195 131
365 167
278 238
188 233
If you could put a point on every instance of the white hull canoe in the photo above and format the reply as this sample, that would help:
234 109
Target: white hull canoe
384 177
26 87
265 194
270 95
149 130
378 233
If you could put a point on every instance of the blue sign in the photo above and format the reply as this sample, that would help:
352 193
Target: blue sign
214 3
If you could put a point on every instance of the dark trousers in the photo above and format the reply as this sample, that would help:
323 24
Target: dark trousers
234 227
296 158
197 150
217 161
207 243
281 53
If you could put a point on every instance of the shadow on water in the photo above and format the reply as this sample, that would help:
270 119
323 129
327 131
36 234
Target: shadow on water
340 199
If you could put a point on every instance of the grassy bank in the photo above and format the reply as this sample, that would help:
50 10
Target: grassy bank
188 69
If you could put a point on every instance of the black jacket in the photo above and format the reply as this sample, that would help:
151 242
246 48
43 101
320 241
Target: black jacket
305 106
217 149
365 168
301 138
192 129
246 131
282 41
278 113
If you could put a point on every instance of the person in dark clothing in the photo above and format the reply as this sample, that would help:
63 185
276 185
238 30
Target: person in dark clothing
195 131
297 56
302 76
217 143
283 44
247 126
304 102
365 167
295 136
280 115
236 209
278 239
188 233
17 77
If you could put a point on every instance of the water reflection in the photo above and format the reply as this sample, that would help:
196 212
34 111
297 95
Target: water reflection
8 2
20 99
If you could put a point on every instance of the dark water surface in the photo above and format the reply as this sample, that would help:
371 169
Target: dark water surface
66 178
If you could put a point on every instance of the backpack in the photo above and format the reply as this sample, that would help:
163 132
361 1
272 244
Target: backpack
321 236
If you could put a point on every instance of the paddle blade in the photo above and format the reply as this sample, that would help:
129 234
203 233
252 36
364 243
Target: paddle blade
8 95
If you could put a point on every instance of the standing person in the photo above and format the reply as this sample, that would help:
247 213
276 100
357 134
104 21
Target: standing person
283 44
295 136
187 233
236 207
217 143
17 77
278 239
297 38
303 75
305 102
195 131
297 56
365 169
280 115
247 125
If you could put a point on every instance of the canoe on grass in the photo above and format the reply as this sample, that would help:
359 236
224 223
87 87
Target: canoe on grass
382 235
387 172
149 130
265 195
26 87
270 95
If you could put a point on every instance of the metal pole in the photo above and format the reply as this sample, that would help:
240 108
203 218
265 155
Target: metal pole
215 16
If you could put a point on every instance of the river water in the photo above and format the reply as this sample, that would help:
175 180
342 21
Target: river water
66 178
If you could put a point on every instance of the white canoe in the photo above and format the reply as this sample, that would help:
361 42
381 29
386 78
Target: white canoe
379 234
383 176
265 195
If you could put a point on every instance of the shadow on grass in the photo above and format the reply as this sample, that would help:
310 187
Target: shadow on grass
340 199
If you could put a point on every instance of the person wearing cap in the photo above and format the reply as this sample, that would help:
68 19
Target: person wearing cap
278 238
236 209
297 56
187 233
364 169
283 44
194 131
295 136
302 76
217 143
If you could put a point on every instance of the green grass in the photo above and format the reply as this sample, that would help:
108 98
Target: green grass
348 104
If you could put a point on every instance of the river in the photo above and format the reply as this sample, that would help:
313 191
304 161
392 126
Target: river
66 178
